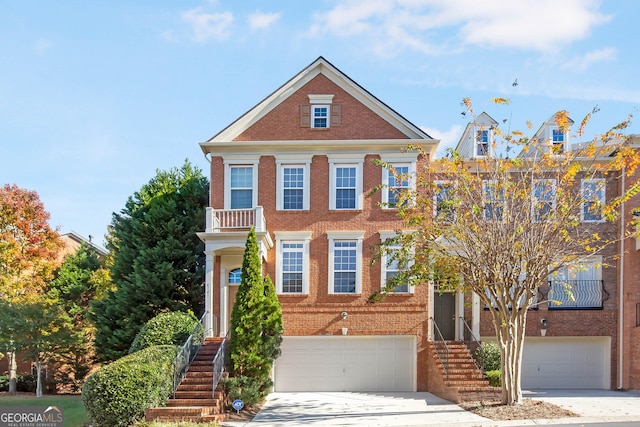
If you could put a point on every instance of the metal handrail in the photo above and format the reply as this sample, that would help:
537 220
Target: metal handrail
219 363
187 353
445 363
473 344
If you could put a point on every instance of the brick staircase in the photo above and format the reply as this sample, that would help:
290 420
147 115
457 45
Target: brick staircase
194 400
460 380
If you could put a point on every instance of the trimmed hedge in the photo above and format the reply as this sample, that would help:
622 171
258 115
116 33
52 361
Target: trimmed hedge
118 393
166 329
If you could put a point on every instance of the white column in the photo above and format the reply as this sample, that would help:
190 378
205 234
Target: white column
459 314
224 303
208 294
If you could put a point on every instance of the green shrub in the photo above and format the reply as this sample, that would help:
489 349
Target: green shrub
494 377
167 329
488 354
24 383
118 393
249 390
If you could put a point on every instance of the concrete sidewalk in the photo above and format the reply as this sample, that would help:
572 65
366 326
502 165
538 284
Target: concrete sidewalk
425 409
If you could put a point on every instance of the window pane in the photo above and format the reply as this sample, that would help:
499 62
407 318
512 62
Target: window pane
345 199
292 199
242 177
293 182
344 265
320 115
292 260
593 195
235 276
345 187
241 199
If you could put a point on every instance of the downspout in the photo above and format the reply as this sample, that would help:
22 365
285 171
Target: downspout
621 294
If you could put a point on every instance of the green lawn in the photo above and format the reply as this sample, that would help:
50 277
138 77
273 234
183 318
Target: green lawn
74 413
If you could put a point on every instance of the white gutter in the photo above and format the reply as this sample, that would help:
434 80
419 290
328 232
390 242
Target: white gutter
621 293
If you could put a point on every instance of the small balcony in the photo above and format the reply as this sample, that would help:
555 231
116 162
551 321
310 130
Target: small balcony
228 220
576 294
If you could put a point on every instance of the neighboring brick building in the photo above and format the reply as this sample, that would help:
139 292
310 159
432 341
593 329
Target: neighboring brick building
629 283
299 168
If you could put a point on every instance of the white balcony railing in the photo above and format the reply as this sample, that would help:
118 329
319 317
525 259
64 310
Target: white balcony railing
219 220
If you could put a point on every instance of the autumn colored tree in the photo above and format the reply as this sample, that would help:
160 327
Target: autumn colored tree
499 226
28 256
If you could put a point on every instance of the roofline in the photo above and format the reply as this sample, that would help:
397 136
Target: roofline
322 61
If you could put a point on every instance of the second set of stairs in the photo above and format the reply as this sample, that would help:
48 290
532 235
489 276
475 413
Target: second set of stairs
458 378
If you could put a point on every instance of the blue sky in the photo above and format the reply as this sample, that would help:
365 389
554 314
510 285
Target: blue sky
95 96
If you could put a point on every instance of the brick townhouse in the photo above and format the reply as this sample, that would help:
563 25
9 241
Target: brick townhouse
298 167
575 343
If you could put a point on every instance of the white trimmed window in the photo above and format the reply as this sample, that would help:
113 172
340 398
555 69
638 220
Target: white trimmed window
391 267
292 262
345 262
558 140
345 184
320 116
483 141
443 200
394 184
543 198
593 198
493 200
292 184
241 178
320 113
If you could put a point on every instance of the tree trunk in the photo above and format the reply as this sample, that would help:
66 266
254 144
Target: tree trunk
510 333
39 378
13 372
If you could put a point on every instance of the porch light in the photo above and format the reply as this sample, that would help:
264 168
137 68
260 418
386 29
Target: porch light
544 324
344 316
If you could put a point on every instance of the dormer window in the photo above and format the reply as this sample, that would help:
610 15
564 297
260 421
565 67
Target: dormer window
557 140
482 143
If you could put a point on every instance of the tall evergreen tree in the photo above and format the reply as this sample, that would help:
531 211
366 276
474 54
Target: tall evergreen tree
246 317
81 278
256 327
272 324
157 259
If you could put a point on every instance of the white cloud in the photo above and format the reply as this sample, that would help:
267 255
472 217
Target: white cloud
583 62
448 138
436 26
261 21
208 25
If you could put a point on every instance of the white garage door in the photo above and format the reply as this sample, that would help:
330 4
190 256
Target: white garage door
566 362
346 363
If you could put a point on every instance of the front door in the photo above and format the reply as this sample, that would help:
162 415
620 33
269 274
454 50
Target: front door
444 306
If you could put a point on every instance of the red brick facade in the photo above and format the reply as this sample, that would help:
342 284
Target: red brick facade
368 130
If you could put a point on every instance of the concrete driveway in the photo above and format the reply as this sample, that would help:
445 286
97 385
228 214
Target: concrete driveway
425 409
